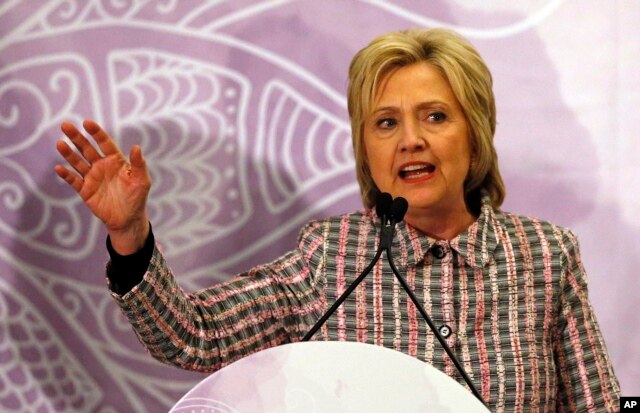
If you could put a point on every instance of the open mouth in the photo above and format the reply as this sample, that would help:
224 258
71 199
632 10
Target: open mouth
416 171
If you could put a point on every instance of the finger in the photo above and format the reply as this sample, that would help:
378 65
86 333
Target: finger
138 169
84 146
105 143
76 161
74 180
138 164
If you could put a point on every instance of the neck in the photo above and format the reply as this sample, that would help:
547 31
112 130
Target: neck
438 225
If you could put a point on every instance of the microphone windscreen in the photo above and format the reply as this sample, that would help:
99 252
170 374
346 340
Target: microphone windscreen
383 204
398 208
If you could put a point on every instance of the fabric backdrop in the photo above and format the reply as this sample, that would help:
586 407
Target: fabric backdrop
240 109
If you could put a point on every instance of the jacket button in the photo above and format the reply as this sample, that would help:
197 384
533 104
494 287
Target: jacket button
438 252
445 331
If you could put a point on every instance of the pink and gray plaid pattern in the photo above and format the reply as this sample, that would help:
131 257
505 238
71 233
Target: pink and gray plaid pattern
512 289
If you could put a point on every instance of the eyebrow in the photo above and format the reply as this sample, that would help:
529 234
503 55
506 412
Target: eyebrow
419 106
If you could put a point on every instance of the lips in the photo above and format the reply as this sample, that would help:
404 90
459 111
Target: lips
417 170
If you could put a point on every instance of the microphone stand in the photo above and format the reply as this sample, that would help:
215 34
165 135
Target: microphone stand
343 297
383 206
397 210
434 330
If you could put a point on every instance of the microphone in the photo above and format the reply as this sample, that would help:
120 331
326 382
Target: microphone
383 205
397 209
391 211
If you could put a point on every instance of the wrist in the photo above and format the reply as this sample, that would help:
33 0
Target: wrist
130 240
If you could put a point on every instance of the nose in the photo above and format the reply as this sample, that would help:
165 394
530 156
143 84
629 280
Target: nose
413 138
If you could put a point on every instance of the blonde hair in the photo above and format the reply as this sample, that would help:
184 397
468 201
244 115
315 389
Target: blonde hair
471 82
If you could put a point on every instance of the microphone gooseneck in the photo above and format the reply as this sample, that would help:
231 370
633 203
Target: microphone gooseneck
433 328
384 204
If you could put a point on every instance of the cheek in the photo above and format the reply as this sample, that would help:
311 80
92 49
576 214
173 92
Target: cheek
378 158
379 166
455 159
463 165
380 150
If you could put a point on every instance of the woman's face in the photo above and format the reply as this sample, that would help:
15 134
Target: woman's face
416 140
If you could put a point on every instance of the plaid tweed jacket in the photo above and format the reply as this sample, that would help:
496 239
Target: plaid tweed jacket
511 289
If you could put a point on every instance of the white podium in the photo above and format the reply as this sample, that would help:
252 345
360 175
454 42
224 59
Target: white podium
331 377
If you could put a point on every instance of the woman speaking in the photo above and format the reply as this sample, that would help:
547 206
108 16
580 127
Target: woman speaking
507 292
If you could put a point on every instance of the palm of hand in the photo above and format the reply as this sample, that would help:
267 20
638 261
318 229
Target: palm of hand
112 193
114 189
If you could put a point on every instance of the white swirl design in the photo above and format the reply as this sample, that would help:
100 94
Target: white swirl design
240 109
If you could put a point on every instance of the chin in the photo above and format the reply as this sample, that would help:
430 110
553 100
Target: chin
421 203
422 198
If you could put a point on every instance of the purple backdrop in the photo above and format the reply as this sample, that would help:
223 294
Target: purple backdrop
240 109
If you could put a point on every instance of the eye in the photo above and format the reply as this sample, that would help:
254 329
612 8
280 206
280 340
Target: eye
386 123
437 117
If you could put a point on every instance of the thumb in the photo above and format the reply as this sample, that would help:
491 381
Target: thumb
138 164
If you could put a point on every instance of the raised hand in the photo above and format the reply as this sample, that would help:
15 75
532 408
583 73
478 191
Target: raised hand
115 189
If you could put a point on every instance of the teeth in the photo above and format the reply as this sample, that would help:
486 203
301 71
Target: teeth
414 167
417 170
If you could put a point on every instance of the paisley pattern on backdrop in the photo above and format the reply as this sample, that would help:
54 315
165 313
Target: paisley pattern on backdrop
241 112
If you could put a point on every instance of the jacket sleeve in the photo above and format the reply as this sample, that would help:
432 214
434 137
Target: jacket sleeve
586 381
206 330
